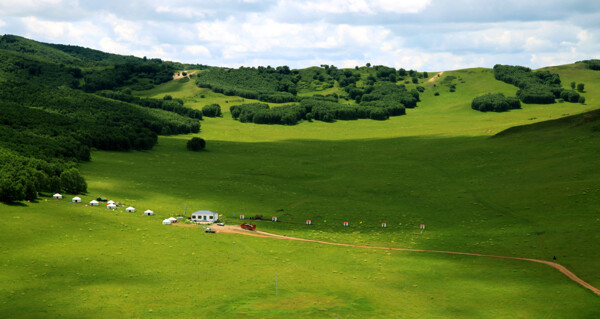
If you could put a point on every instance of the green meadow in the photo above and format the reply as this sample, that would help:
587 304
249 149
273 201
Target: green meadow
530 191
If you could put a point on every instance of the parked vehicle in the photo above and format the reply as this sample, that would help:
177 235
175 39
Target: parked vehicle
209 230
248 226
220 224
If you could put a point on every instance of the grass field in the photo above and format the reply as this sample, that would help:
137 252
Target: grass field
530 193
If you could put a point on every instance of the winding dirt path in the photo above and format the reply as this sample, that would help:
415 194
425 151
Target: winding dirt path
237 230
433 78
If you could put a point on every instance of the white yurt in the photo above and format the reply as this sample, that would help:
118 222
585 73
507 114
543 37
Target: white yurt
130 209
111 206
57 196
173 219
148 213
110 202
167 222
76 199
94 203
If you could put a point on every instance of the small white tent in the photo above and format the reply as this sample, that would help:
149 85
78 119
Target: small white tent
111 206
76 199
94 203
148 213
167 222
130 209
110 202
57 196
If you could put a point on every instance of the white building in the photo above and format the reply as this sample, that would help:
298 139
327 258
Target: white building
205 216
148 213
57 196
111 206
94 203
76 199
130 209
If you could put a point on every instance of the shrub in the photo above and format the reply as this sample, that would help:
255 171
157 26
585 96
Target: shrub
582 99
196 144
437 94
570 96
573 85
580 87
212 110
420 89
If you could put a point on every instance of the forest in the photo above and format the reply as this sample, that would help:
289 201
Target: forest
50 121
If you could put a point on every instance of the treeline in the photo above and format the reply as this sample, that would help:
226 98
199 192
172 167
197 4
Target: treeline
379 102
167 103
540 87
593 64
275 85
495 102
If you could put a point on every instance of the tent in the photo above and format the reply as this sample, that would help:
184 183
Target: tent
76 199
130 209
111 206
173 219
148 213
110 202
94 203
57 196
167 222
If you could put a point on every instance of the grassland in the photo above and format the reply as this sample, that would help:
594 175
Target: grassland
531 193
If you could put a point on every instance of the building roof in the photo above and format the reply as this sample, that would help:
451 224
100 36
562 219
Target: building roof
205 212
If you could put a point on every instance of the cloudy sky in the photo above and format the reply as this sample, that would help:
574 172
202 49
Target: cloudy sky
428 35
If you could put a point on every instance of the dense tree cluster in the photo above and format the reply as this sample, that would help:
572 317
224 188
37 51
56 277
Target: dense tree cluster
171 105
212 110
570 96
593 64
495 103
275 85
540 87
127 73
378 103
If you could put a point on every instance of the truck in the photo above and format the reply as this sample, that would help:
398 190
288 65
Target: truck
248 226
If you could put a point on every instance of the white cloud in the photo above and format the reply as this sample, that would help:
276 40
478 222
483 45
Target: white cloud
197 50
2 23
358 6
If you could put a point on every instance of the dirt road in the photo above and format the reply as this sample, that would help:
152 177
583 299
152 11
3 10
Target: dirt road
237 230
433 78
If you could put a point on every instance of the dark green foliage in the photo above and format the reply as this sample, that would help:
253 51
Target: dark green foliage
420 89
72 182
436 94
570 96
378 114
212 110
167 104
495 102
592 64
264 84
540 87
196 144
391 94
573 85
260 113
415 80
580 87
128 73
582 99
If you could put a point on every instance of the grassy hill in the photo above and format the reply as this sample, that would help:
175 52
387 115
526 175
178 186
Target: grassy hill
520 183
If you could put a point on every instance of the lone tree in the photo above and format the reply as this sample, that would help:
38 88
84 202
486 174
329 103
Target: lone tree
196 144
580 87
573 85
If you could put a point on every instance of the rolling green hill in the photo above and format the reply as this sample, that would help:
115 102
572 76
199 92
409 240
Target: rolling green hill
521 183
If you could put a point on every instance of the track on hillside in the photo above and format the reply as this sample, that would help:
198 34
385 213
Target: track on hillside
559 267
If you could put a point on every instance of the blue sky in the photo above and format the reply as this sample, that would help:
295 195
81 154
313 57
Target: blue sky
428 35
